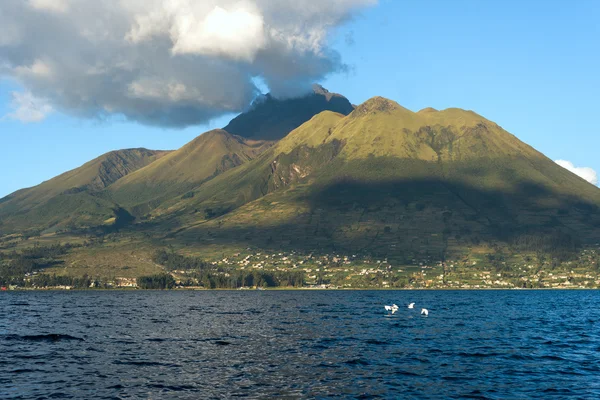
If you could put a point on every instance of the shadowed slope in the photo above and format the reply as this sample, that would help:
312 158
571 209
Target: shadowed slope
399 219
273 119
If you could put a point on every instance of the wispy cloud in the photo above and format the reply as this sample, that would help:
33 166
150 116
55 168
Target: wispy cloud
28 108
586 173
168 62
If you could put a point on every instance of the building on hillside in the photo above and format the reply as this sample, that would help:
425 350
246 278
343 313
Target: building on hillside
126 282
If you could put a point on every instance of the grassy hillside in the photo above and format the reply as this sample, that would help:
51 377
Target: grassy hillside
72 199
181 172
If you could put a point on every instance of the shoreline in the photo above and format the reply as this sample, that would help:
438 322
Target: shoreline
296 290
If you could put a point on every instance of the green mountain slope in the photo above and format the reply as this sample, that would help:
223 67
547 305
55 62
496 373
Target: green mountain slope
390 181
272 119
184 170
72 198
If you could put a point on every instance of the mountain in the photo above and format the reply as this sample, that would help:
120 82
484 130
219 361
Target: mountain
380 180
181 171
72 196
272 119
390 181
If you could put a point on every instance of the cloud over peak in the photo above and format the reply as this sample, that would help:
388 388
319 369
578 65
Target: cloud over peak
586 173
168 62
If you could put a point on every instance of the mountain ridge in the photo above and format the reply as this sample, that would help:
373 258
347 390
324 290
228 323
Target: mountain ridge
202 159
77 188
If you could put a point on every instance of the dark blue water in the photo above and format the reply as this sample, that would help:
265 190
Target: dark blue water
191 345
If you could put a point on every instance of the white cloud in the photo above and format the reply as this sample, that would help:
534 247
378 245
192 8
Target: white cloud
56 6
586 173
28 108
168 62
238 34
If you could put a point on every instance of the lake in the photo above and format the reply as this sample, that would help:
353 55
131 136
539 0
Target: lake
299 344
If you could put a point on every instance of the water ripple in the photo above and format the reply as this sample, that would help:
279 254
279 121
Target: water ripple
189 345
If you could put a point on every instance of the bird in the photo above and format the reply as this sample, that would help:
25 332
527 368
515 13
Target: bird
411 305
425 312
393 308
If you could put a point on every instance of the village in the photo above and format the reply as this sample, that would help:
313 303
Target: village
355 271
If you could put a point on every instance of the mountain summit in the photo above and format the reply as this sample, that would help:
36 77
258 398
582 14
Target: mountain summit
270 118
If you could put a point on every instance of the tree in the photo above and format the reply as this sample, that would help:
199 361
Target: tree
158 281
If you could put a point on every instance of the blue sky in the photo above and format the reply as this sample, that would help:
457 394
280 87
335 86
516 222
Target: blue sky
532 67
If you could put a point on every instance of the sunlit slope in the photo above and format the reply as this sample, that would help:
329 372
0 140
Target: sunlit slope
393 181
176 174
295 157
72 198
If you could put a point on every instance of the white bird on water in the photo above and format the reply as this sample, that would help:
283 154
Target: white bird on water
393 308
425 312
411 305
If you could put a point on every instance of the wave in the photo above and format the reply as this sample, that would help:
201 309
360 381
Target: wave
145 363
51 337
358 361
